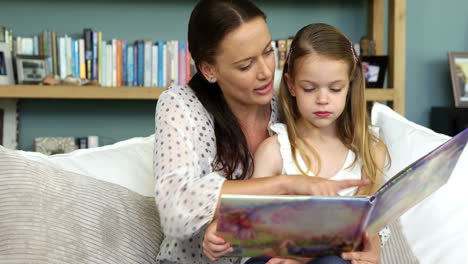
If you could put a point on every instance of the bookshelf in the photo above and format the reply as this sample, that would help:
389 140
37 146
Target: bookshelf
375 30
79 92
395 46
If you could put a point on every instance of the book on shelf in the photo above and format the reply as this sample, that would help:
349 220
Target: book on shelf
116 62
313 226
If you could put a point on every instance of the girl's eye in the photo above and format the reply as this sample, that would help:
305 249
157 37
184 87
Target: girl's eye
335 89
308 89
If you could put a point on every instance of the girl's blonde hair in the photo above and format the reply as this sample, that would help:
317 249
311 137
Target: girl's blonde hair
353 123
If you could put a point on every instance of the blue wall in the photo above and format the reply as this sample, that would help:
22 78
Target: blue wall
433 28
427 75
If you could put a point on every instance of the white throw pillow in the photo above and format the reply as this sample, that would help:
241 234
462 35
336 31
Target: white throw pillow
436 227
128 163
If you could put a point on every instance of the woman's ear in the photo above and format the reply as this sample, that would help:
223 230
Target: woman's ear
289 84
208 71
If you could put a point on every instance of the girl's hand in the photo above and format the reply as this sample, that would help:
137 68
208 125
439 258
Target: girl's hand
317 186
285 261
369 255
214 246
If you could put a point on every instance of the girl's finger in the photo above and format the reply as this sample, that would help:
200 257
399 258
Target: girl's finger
218 248
221 254
214 239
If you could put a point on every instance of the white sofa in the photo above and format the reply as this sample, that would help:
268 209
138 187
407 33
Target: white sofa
435 229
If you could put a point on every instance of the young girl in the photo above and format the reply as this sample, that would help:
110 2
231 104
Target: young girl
327 131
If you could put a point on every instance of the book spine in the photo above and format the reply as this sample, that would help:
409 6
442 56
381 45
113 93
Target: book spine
61 55
109 65
103 64
76 58
68 55
40 40
124 62
95 66
160 63
147 63
53 41
141 63
182 61
130 65
99 57
114 63
154 66
118 63
135 64
165 67
81 44
88 38
174 62
188 62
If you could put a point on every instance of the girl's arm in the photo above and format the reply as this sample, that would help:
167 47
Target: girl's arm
267 159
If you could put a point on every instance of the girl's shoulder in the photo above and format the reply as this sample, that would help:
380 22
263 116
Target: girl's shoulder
278 129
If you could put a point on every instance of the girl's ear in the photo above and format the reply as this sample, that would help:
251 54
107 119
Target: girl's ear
289 84
207 70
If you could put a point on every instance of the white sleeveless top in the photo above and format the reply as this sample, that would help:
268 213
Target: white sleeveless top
289 166
346 172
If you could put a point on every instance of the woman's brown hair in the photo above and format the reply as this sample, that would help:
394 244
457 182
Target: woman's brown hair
210 22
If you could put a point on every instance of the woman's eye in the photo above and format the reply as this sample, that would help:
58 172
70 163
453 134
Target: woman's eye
268 51
244 68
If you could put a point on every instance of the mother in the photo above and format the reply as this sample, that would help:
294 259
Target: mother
207 131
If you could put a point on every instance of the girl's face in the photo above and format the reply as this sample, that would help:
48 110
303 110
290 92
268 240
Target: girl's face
245 65
320 87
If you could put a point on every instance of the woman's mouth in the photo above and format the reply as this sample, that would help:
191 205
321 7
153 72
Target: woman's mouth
264 89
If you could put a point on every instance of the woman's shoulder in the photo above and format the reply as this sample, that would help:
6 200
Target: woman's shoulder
178 92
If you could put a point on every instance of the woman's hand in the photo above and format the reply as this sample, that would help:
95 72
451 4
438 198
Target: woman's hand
214 246
317 186
369 255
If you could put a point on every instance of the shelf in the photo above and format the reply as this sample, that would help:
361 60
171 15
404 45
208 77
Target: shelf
80 92
380 94
123 93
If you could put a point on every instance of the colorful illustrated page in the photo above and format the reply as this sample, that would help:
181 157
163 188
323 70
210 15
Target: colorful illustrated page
291 225
415 183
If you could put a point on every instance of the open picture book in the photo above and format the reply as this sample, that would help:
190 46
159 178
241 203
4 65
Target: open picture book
313 226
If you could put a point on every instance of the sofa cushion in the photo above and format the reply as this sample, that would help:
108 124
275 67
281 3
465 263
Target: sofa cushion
49 215
397 249
436 227
128 163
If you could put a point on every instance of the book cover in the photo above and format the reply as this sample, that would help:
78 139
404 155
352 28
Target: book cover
313 226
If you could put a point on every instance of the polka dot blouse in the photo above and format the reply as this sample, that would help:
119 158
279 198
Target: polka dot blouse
187 187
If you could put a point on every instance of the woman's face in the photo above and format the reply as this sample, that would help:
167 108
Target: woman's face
245 64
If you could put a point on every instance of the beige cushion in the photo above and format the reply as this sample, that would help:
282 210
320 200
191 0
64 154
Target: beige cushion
397 249
48 215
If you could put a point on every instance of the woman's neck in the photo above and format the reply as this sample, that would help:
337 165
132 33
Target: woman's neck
253 121
250 116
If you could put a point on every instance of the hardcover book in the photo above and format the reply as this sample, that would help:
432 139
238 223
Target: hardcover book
313 226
